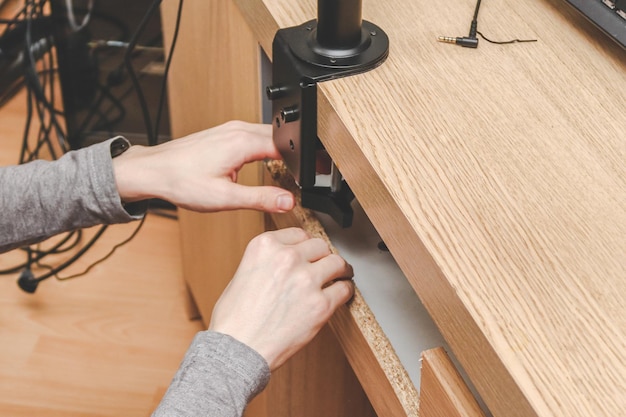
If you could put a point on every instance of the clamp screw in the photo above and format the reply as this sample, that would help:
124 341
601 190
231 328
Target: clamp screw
289 114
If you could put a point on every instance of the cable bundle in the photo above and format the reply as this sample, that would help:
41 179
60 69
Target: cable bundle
27 58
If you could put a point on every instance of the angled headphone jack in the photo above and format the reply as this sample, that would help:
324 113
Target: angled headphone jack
469 41
465 41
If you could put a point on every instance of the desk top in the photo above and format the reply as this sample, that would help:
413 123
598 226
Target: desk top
497 178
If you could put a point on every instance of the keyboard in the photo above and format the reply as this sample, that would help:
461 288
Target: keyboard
608 15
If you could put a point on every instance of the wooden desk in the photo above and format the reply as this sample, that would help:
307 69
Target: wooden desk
496 177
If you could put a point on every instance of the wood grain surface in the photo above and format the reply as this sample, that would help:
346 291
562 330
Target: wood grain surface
213 80
496 176
443 392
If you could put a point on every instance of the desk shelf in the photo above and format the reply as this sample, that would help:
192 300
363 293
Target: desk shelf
495 175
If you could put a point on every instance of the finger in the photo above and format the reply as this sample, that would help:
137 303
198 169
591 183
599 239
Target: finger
330 268
255 140
259 147
264 198
290 235
243 126
339 292
240 126
313 249
259 143
258 129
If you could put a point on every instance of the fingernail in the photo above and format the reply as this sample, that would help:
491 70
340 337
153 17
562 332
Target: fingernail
285 202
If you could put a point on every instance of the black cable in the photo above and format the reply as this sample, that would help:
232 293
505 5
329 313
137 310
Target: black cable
118 32
40 99
59 247
77 255
107 256
29 283
29 115
133 76
167 66
39 90
132 49
46 123
471 40
40 254
505 42
31 73
104 122
474 24
103 92
38 102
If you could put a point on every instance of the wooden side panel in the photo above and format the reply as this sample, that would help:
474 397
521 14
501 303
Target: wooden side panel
443 392
317 381
213 79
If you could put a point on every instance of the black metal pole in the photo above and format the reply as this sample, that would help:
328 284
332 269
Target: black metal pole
339 23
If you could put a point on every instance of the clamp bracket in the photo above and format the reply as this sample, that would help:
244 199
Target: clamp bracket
337 44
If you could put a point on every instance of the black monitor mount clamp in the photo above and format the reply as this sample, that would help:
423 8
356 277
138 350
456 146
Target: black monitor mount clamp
338 44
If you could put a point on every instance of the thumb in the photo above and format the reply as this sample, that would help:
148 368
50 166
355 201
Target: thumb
264 198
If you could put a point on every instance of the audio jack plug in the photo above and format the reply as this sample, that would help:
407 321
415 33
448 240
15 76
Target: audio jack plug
469 41
465 41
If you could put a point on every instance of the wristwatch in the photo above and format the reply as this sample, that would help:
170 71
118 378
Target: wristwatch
119 145
137 209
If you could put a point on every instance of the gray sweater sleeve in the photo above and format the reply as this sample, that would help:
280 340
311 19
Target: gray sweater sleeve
43 198
218 377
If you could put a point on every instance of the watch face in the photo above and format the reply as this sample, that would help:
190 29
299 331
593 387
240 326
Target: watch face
118 146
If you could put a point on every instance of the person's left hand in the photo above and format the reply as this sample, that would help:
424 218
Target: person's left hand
199 171
287 286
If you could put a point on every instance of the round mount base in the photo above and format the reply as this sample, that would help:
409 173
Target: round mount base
369 53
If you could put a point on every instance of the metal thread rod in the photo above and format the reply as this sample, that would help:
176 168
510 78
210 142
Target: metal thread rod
335 179
339 23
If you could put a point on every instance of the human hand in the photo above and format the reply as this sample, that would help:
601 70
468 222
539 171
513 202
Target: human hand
286 288
199 171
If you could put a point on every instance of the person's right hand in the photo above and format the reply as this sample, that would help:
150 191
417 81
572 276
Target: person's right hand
286 288
199 172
